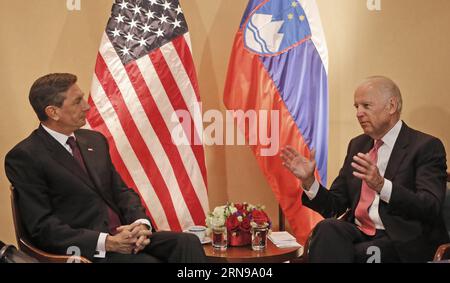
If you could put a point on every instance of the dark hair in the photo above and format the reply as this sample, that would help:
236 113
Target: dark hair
50 90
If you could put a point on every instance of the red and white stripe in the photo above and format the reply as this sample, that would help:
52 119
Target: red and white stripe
133 106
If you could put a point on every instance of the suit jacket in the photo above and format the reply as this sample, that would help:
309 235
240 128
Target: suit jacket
61 205
413 217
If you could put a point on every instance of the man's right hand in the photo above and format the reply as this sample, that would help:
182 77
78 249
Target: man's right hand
124 242
302 167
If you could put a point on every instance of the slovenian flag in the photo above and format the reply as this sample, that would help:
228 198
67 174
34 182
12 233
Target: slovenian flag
280 63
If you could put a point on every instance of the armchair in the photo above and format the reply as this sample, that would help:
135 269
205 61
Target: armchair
443 252
25 245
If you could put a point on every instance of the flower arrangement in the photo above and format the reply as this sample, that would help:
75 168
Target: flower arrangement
238 219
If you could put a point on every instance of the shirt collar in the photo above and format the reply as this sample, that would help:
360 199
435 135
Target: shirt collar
391 136
61 138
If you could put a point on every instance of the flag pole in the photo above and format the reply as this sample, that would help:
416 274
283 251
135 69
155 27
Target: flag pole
281 220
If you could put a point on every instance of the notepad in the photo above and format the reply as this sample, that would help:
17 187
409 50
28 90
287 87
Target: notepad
283 240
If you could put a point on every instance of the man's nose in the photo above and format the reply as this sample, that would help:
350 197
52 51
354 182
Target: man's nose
86 106
359 112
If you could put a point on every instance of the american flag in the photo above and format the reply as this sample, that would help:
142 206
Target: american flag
144 76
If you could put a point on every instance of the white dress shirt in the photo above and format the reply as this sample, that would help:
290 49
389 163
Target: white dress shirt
101 242
384 153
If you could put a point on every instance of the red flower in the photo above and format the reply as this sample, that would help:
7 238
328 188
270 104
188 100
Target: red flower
239 207
245 224
232 223
260 217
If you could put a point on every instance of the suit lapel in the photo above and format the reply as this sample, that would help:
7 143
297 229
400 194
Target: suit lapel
89 157
398 152
63 157
90 160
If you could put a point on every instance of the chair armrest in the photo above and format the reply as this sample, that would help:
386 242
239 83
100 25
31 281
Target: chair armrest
47 257
345 216
443 252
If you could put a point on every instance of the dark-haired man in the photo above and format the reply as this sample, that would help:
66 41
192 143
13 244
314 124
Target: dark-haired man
70 194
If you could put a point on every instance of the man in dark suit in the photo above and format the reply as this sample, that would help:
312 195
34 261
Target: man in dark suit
70 194
393 182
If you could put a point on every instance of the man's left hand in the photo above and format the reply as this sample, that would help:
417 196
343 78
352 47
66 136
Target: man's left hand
143 234
367 171
144 238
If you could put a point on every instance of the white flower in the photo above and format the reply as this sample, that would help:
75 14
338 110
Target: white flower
218 221
220 214
217 217
220 210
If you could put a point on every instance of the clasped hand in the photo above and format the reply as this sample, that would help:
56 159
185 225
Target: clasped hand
131 238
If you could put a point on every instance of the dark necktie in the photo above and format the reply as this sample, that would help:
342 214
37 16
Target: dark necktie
114 220
76 153
367 197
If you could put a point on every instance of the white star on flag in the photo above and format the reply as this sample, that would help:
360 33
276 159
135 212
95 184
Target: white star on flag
178 10
176 23
163 19
123 5
136 10
133 23
129 37
142 42
120 18
146 28
116 32
166 5
150 15
160 33
125 51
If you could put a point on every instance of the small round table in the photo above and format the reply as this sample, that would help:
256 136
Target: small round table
245 254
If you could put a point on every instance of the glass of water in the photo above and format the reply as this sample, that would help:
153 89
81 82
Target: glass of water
259 236
219 238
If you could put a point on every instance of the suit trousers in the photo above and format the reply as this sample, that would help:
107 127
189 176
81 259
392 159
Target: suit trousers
165 246
340 241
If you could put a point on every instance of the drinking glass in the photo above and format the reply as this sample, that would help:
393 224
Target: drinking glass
259 236
219 238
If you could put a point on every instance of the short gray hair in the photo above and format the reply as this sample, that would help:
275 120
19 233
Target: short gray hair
388 87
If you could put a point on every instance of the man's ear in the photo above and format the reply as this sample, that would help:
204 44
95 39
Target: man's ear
393 104
52 112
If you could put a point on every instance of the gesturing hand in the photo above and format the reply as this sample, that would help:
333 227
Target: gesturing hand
367 170
302 167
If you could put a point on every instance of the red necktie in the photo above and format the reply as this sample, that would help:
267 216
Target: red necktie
114 220
367 197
